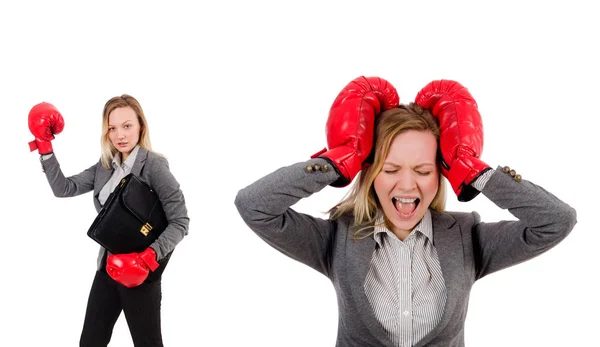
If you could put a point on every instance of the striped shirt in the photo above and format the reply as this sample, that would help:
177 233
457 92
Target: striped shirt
405 285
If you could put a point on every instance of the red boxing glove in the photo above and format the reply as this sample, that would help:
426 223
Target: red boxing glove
461 134
351 125
44 122
131 269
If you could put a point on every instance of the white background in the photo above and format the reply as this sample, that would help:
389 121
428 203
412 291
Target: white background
236 89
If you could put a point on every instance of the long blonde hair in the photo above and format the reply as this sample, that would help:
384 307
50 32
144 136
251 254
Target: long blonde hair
361 201
108 150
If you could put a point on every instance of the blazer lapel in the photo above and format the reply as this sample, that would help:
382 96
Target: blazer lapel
140 159
102 176
448 244
358 263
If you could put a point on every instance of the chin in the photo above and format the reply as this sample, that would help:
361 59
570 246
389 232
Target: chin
122 150
408 224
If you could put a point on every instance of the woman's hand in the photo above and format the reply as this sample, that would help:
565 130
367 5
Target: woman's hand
44 122
461 133
131 269
351 124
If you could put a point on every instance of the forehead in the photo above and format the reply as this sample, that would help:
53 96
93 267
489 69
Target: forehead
121 115
414 147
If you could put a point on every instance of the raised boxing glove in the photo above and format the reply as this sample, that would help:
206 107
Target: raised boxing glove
44 122
131 269
351 124
461 133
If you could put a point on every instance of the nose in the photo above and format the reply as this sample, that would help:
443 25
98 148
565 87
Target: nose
406 181
120 134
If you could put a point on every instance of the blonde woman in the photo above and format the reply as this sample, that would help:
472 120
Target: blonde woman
124 282
401 266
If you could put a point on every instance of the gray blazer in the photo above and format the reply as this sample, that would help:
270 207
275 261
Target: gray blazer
468 249
152 169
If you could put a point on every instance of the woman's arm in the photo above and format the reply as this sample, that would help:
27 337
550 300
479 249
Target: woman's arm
68 186
173 202
265 207
543 221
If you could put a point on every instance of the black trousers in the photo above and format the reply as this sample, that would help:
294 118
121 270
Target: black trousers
141 306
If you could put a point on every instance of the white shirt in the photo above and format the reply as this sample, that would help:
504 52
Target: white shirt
120 170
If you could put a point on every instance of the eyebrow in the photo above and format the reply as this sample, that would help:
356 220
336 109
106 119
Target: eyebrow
112 125
416 167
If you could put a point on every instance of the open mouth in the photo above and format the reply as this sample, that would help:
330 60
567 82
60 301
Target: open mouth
405 207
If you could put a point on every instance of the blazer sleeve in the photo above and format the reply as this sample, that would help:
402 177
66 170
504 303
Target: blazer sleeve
173 202
265 206
68 186
543 221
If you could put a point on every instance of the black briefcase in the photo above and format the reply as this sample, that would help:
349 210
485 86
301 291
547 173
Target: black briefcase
131 218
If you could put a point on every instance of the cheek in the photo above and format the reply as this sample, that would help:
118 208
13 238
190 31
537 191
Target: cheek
382 187
430 186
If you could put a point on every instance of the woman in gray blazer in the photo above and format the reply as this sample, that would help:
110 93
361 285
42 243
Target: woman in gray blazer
124 282
401 266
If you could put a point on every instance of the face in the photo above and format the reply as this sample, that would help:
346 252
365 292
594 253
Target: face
408 180
123 130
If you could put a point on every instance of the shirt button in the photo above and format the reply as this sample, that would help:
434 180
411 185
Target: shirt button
405 313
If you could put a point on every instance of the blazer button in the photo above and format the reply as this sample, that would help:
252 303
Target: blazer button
308 169
513 173
518 178
317 167
506 169
325 168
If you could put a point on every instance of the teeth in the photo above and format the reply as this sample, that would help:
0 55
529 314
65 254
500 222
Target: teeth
406 200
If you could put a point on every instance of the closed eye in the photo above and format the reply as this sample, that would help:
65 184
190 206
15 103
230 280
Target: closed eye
423 173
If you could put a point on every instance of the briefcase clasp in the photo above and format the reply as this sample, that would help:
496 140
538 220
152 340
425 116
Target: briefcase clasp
146 229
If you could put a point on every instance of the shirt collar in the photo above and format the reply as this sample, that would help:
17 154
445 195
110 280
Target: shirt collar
116 162
425 227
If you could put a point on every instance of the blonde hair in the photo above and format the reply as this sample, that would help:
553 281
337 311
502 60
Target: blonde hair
361 201
108 150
